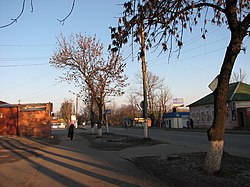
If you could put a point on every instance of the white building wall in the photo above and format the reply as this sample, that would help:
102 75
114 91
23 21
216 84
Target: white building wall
203 115
179 122
242 104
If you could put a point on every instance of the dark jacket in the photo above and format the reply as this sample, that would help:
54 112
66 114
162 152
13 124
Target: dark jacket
71 129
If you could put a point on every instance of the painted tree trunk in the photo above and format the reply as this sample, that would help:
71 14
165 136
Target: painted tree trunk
92 130
100 131
217 130
214 156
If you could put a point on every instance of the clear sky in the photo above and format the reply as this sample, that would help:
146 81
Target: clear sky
26 46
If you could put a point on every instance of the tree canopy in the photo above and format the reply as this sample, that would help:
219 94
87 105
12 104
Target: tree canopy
85 65
164 22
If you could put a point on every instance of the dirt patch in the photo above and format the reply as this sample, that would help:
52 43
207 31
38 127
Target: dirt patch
186 170
115 142
179 169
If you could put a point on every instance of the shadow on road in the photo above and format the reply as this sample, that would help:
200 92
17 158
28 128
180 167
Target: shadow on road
62 164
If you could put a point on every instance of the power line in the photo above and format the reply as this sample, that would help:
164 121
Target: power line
26 45
192 49
25 58
22 65
193 57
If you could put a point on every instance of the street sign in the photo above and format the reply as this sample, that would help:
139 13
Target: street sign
178 102
214 83
142 104
108 111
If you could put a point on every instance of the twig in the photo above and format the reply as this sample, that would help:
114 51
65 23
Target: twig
63 20
31 5
14 20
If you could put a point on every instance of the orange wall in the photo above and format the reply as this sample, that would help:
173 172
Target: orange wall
8 121
28 122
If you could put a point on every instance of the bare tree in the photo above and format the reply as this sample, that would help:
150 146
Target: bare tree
134 103
66 110
84 65
164 97
239 77
119 113
163 102
154 83
165 23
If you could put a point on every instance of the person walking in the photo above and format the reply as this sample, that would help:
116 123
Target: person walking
71 131
188 124
191 123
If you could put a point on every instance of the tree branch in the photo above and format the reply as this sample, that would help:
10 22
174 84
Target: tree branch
187 8
72 8
14 20
31 5
246 22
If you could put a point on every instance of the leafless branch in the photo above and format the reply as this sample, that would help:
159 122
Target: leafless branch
72 8
14 20
31 5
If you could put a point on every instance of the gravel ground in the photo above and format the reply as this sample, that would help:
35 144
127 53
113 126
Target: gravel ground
180 169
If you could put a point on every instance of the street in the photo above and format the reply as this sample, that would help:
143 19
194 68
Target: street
235 143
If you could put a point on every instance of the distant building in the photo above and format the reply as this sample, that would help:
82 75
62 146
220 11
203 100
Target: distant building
176 119
25 119
58 123
139 122
127 122
74 121
238 102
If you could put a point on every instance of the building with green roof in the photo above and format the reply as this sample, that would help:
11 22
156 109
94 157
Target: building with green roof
238 102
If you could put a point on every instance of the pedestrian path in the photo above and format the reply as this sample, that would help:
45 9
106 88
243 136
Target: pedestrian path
71 163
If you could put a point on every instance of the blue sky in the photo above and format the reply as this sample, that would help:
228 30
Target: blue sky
26 46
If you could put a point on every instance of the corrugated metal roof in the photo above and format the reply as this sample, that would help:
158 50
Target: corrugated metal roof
242 93
7 105
176 114
238 91
2 102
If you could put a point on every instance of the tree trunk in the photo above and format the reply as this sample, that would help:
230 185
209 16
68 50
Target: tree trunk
100 121
92 116
214 156
217 130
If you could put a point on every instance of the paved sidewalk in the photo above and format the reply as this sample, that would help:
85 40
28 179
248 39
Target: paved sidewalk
24 162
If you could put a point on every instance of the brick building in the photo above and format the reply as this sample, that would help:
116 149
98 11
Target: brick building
25 119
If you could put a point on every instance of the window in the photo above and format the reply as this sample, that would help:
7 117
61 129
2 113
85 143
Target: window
198 116
203 116
192 115
208 115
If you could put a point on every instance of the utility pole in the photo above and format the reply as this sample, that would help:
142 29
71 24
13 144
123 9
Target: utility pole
144 77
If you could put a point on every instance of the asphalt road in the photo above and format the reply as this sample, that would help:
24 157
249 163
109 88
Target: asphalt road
236 142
